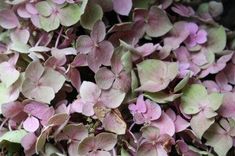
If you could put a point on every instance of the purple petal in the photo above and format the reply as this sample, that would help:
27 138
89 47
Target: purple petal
201 36
31 124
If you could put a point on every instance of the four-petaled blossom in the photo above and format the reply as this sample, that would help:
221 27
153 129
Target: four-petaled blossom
196 36
98 50
98 145
145 111
154 143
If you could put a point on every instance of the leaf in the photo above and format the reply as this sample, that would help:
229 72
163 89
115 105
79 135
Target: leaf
14 136
192 95
216 40
161 97
92 14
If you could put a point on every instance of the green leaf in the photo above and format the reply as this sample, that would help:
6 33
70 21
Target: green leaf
13 136
92 14
161 97
71 14
192 95
216 41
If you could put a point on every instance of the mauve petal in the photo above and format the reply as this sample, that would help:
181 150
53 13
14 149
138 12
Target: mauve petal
165 124
89 92
161 151
77 106
122 7
140 104
104 78
22 12
31 124
227 109
153 111
192 28
8 19
84 44
98 32
106 141
73 148
211 86
99 153
88 109
181 124
28 141
31 8
171 114
100 55
122 82
10 110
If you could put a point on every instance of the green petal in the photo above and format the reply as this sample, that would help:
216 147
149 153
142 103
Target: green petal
92 14
191 98
13 136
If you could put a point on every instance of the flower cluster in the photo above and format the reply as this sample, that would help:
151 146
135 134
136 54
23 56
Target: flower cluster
116 77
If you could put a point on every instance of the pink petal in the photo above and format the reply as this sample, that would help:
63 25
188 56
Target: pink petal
98 32
84 44
28 141
104 78
201 36
89 91
165 124
8 19
31 124
181 124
